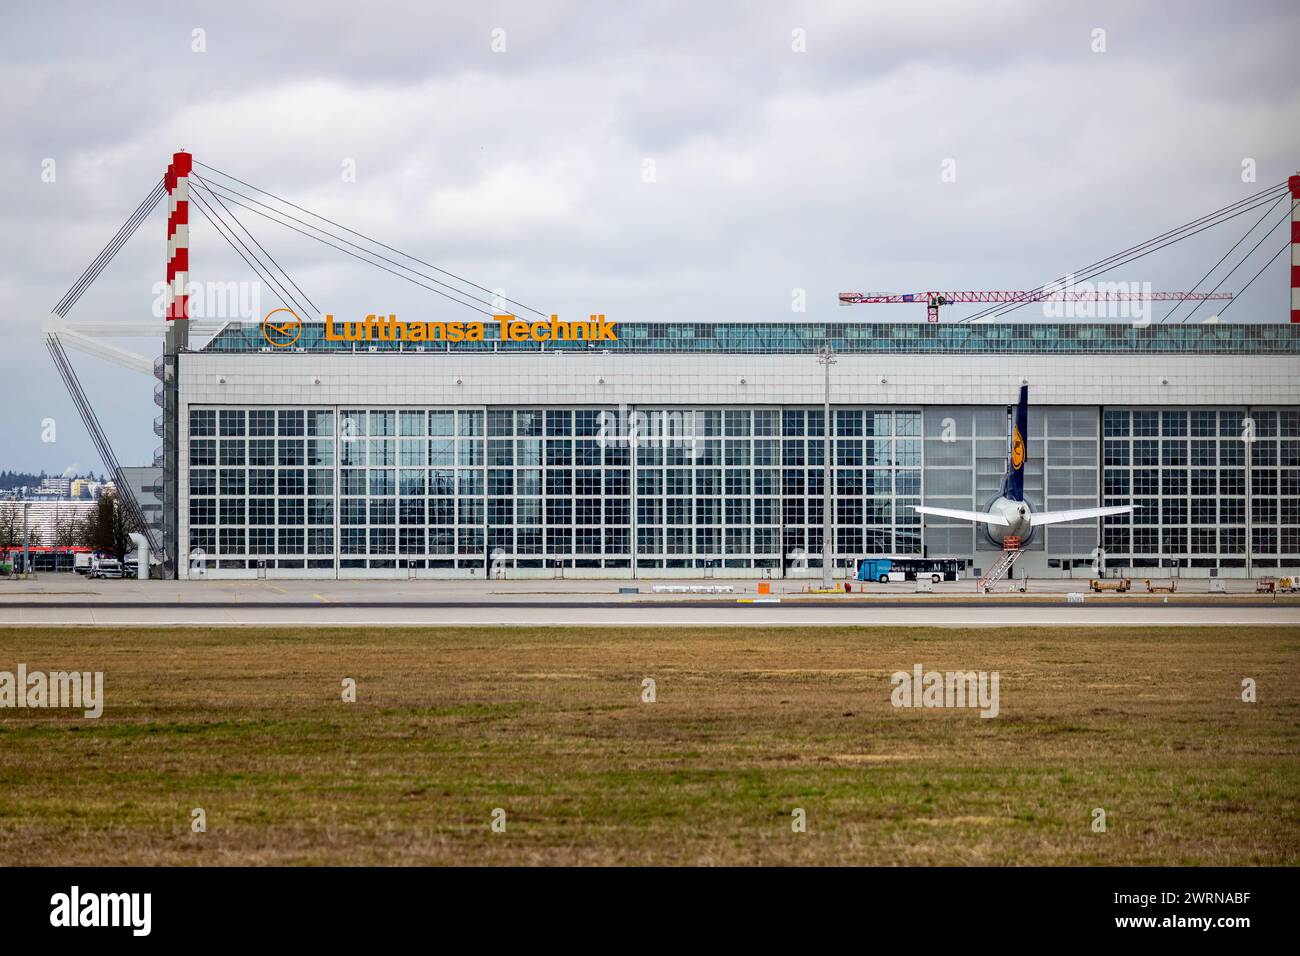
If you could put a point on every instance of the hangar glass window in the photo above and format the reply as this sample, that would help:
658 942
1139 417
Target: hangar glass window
203 422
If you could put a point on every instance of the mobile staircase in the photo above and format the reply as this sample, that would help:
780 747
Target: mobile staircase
1002 566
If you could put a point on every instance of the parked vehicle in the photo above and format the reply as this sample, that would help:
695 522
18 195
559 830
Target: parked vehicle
885 569
1121 585
83 562
107 568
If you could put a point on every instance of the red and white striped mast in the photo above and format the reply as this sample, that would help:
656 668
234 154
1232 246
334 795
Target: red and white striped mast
1294 183
177 315
178 247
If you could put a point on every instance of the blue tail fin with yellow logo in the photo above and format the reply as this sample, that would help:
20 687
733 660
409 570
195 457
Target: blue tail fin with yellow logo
1013 482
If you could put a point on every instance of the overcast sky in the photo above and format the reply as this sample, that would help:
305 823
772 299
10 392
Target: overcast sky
652 161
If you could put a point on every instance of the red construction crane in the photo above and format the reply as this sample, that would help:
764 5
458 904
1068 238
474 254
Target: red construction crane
933 300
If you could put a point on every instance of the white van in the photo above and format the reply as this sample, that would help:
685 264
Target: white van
107 568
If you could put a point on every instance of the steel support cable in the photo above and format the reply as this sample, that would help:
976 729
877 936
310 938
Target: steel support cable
270 257
1089 274
1270 232
376 242
1106 265
326 232
226 232
102 445
1284 248
64 367
110 250
1208 272
1134 252
371 262
1164 239
254 264
101 261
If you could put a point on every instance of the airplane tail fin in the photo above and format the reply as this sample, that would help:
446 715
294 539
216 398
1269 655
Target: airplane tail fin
1013 482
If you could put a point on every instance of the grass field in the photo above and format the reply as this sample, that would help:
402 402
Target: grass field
549 725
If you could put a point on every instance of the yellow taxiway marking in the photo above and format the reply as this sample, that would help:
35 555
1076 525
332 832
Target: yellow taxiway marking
321 598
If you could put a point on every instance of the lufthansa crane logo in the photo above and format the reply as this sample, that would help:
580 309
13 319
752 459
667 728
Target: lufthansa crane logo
284 332
1017 450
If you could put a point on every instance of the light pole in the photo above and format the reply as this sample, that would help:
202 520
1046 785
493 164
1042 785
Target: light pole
826 358
27 551
1248 440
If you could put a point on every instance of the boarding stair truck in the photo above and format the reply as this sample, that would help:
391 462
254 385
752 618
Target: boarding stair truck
1001 567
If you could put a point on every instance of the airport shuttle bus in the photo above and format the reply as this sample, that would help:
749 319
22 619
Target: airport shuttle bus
886 569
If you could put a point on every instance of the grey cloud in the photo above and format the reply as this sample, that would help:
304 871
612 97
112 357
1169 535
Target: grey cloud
774 169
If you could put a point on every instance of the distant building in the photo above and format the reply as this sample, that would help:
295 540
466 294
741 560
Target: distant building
145 483
49 521
55 487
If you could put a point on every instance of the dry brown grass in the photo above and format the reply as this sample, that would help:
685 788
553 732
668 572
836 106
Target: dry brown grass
749 723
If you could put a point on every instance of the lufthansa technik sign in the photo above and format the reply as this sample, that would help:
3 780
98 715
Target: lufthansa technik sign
388 328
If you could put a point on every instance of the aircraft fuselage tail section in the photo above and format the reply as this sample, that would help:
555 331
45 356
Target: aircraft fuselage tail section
1013 482
1009 515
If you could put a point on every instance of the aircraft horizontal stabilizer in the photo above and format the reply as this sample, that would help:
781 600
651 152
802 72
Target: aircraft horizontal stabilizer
963 515
1060 517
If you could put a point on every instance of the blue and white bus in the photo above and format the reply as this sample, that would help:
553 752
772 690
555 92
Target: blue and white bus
904 568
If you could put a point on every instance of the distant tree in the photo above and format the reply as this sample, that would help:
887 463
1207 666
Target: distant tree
107 529
86 530
11 527
65 531
10 480
11 524
121 531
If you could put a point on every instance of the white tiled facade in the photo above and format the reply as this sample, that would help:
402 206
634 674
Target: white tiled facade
906 426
